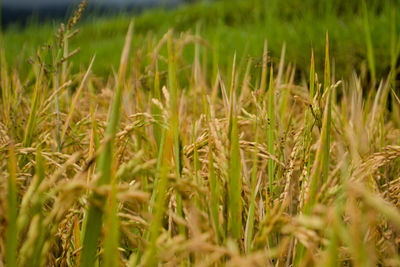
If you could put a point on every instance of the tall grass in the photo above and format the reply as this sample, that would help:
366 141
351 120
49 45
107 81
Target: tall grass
167 162
105 164
235 183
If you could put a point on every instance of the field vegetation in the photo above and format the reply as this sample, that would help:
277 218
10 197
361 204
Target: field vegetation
189 153
232 26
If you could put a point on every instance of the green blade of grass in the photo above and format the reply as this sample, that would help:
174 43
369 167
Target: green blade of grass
156 110
150 257
327 131
235 183
32 120
111 253
173 90
95 213
232 96
93 146
327 69
321 164
214 188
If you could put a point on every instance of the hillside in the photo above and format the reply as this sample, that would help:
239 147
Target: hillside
241 27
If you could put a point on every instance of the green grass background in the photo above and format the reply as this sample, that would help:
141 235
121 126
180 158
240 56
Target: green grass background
236 26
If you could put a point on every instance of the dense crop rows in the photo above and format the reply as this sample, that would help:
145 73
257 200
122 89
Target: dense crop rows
170 162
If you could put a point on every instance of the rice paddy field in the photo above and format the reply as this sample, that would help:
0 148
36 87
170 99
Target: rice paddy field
184 152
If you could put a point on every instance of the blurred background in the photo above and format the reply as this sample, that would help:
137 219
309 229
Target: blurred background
357 30
20 11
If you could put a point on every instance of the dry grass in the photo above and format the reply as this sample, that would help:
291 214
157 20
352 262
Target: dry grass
185 169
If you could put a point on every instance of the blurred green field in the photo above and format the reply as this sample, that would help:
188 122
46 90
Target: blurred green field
236 26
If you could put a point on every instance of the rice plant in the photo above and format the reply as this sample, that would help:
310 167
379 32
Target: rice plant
171 162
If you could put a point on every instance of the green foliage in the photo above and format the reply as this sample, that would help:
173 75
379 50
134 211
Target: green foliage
253 20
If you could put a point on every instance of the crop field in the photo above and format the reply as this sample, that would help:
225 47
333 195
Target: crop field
184 152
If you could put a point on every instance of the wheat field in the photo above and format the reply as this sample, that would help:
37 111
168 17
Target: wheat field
167 162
